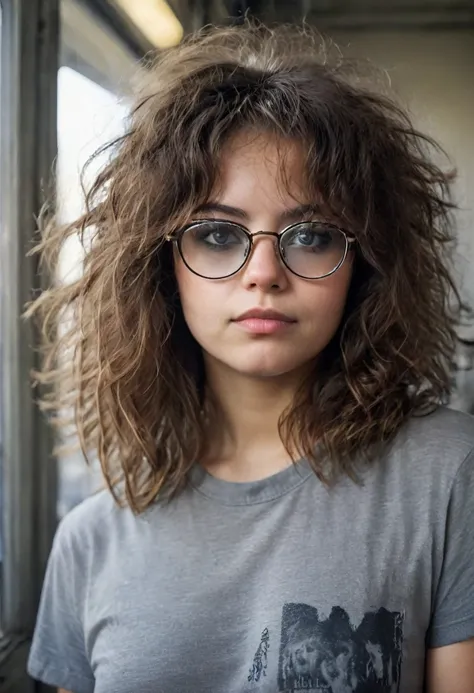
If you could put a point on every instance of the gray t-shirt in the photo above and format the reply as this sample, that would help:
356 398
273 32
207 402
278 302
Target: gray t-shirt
274 585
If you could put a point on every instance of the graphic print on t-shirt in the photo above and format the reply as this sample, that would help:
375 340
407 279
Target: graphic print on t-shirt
260 661
330 655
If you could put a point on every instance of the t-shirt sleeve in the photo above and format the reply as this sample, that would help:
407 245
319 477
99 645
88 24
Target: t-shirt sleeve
453 613
58 654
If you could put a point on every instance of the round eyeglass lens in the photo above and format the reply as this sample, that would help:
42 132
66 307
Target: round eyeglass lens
313 250
214 249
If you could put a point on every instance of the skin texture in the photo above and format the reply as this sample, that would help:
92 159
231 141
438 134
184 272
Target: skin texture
253 378
451 669
250 180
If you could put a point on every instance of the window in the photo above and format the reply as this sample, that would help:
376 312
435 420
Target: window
92 108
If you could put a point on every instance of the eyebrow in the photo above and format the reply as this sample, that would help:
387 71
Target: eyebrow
286 215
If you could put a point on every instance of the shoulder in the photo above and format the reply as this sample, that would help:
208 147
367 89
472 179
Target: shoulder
435 447
100 526
90 522
444 429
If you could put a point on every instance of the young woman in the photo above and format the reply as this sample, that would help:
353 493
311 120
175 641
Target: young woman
258 352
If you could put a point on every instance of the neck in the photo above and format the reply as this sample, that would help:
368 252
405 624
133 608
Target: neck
244 441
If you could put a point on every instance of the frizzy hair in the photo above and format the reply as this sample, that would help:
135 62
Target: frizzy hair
117 353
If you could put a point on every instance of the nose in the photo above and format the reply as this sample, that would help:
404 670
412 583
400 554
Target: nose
264 269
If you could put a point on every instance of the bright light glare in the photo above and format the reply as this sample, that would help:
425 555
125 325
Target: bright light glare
155 19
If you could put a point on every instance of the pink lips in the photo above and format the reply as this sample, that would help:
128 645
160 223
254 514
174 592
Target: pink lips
260 321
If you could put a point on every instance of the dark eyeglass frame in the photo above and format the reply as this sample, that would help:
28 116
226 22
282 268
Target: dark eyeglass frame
177 237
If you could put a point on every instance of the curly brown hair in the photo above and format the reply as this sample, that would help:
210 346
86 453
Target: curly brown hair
124 361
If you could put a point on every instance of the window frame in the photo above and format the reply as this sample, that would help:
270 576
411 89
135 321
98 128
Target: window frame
29 55
30 36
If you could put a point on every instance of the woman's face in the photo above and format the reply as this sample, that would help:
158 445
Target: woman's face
250 181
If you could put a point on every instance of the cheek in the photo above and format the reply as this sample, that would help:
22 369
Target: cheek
198 299
326 300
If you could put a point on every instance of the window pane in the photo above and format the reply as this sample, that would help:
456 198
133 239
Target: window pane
91 112
88 117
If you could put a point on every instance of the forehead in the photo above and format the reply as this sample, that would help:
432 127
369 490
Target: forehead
260 168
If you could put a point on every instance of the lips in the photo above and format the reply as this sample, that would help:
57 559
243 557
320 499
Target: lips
259 322
262 314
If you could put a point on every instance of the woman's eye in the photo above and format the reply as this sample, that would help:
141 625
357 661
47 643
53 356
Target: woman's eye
219 237
305 238
317 240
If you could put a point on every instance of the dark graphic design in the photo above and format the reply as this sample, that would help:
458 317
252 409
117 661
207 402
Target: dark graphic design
260 661
330 655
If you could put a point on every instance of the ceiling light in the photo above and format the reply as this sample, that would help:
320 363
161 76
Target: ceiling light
155 19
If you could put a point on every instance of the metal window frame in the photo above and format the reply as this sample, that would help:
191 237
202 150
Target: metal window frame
29 50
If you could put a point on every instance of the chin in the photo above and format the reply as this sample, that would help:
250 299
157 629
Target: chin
266 367
261 360
265 372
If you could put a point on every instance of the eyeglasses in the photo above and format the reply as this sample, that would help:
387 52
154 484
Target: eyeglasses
217 249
